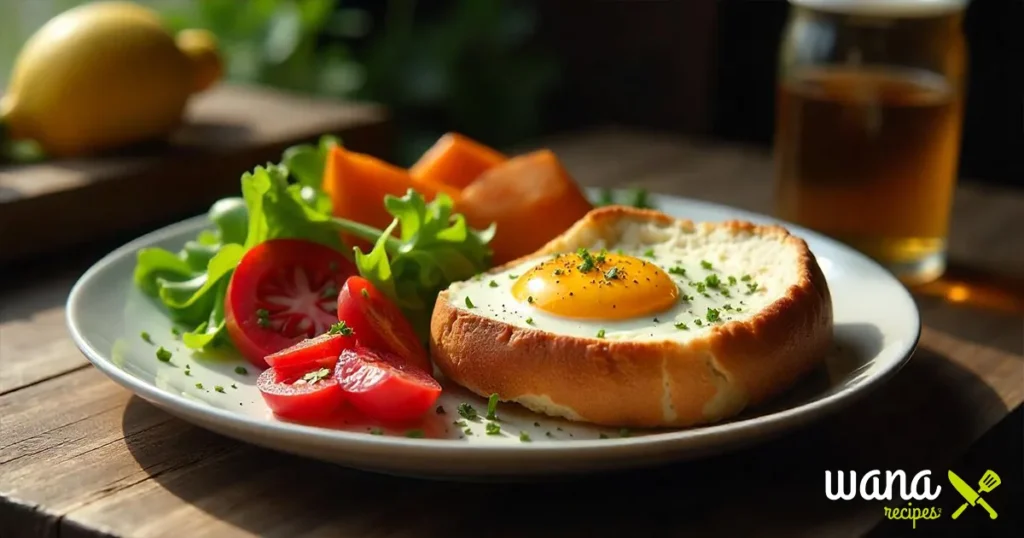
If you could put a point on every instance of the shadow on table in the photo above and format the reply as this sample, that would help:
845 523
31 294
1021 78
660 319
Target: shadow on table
917 421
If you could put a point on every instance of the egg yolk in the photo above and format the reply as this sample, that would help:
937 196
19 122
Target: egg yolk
590 285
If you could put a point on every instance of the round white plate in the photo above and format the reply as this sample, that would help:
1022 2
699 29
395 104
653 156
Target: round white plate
876 329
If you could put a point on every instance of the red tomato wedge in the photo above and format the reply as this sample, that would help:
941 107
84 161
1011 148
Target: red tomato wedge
321 351
283 291
383 386
378 323
312 396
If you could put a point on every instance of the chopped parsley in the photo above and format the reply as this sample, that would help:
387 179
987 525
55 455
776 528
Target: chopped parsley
529 321
414 434
524 437
746 278
698 322
712 315
163 355
701 287
682 326
676 270
649 253
725 292
146 338
601 256
492 406
612 273
219 389
493 428
240 370
493 284
234 386
199 386
751 287
732 280
468 431
262 317
706 264
727 307
687 297
188 372
467 411
313 377
512 276
469 303
340 328
712 281
588 261
600 333
175 331
557 272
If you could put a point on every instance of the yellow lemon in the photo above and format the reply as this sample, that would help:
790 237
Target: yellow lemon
105 75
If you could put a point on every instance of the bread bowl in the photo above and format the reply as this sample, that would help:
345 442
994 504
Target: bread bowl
645 370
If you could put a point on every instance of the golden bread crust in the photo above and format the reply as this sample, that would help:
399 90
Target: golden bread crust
642 384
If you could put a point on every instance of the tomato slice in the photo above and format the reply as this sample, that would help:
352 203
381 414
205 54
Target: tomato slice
283 291
313 396
378 323
384 386
321 351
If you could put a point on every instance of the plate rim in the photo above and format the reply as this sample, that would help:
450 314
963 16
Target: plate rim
773 422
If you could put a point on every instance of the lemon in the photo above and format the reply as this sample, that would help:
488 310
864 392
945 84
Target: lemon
105 75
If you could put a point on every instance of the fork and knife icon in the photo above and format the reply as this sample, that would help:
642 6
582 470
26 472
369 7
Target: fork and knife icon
988 482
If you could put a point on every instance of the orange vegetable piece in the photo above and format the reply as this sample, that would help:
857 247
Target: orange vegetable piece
456 161
531 198
357 183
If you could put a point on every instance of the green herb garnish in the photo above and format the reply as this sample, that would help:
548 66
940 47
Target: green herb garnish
682 326
712 315
712 281
340 328
492 406
746 278
240 370
601 256
612 273
467 411
145 337
698 322
469 303
529 321
512 276
313 377
600 333
263 317
588 261
524 437
219 389
199 386
751 287
493 284
492 428
677 270
163 355
557 272
732 280
414 434
706 264
649 253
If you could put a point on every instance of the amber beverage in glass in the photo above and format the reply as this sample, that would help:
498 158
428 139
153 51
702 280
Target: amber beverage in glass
868 120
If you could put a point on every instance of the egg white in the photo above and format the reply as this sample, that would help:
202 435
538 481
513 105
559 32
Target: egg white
730 254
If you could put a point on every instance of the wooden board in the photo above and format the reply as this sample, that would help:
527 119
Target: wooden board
81 457
52 205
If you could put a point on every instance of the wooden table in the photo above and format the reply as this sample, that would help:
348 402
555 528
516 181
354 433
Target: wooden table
81 456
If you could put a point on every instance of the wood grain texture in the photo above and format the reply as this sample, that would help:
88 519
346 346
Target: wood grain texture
52 205
81 457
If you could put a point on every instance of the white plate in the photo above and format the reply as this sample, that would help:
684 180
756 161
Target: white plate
876 329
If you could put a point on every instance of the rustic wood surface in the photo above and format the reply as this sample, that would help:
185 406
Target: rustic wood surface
82 457
50 205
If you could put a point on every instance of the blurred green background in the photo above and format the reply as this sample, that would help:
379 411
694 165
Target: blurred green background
465 65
